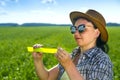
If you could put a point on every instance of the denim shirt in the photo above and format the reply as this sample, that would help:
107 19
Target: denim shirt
94 64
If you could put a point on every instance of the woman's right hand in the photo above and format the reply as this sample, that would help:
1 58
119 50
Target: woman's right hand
37 56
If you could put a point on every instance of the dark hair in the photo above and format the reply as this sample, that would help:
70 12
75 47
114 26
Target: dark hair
102 45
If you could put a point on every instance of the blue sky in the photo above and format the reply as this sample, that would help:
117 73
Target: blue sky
55 11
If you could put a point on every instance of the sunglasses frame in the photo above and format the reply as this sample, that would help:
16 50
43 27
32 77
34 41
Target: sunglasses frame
80 28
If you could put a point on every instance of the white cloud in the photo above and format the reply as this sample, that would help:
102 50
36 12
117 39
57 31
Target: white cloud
5 2
48 1
2 3
113 18
37 16
3 11
14 0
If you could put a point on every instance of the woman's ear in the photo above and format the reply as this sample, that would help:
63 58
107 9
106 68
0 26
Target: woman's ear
97 32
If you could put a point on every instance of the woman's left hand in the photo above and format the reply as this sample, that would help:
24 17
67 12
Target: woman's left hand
63 57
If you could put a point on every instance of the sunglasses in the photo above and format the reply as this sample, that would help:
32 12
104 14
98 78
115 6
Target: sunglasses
80 28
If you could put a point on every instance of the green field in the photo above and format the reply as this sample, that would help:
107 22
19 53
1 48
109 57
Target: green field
17 64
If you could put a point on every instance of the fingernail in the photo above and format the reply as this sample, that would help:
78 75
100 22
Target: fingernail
60 49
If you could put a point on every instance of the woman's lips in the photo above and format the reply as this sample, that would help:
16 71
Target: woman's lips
77 38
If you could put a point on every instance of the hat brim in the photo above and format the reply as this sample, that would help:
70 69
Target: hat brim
104 35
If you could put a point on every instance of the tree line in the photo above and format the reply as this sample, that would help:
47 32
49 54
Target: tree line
46 24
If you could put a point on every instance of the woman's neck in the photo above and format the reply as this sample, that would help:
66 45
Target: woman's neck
85 48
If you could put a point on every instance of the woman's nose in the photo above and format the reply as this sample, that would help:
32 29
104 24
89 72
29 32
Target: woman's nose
76 32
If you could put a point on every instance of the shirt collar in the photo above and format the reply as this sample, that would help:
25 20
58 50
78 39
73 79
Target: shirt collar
89 53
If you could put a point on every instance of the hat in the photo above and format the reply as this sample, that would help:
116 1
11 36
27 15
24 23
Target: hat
95 17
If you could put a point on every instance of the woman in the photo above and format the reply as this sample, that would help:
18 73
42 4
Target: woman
89 60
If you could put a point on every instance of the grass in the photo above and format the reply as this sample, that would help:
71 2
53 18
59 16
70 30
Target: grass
17 63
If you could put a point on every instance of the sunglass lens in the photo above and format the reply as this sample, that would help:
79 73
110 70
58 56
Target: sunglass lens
73 29
81 28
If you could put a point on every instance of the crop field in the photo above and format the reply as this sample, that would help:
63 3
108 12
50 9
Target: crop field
16 63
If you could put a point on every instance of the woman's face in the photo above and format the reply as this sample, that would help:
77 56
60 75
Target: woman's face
87 37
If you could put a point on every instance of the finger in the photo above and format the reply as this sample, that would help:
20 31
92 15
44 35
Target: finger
37 46
58 56
62 52
60 49
36 53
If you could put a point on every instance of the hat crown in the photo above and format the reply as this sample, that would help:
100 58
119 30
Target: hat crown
97 16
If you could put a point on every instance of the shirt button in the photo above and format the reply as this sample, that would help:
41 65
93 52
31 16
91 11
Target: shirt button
83 57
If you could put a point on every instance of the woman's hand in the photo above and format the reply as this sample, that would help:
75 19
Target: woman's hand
66 61
63 57
37 55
